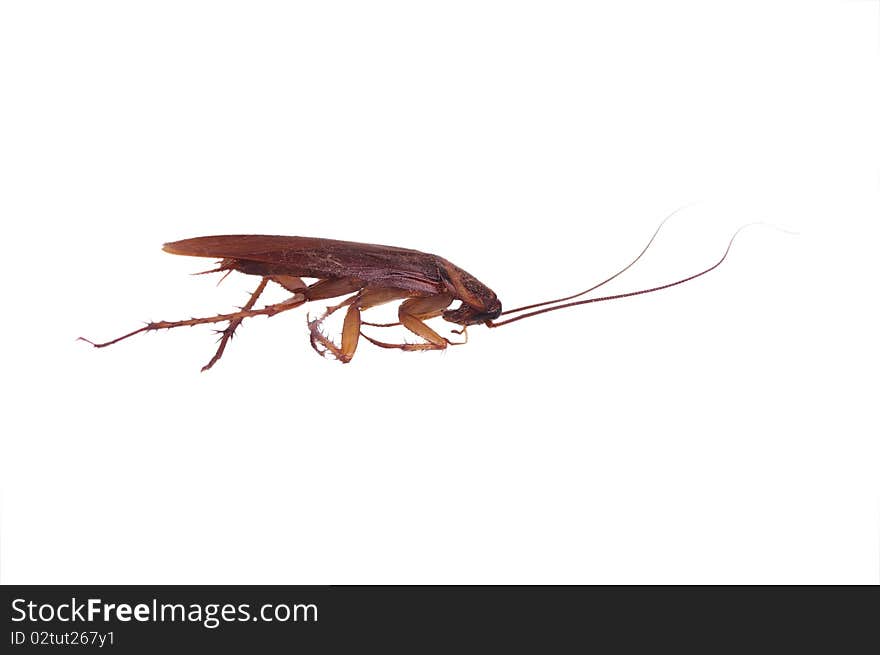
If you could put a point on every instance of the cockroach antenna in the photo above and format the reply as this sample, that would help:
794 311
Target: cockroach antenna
629 294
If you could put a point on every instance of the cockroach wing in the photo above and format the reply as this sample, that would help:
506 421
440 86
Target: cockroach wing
385 266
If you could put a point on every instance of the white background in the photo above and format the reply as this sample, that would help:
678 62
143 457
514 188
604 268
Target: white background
721 432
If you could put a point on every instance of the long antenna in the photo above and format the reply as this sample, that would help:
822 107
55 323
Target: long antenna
492 324
604 282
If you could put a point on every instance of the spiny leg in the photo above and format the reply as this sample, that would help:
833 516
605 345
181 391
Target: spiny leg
321 343
329 289
302 294
289 282
268 310
351 327
226 334
412 314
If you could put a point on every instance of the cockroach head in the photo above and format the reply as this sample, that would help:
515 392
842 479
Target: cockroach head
467 315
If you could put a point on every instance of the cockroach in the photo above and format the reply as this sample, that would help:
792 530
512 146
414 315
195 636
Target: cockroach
369 275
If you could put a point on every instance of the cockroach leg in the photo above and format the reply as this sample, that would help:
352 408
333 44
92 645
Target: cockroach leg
226 335
412 314
320 290
268 310
351 327
425 317
289 282
463 332
321 343
234 318
408 347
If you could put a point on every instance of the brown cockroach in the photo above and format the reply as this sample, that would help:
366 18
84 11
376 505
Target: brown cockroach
369 275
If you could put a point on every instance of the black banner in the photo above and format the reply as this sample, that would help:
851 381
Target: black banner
324 619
